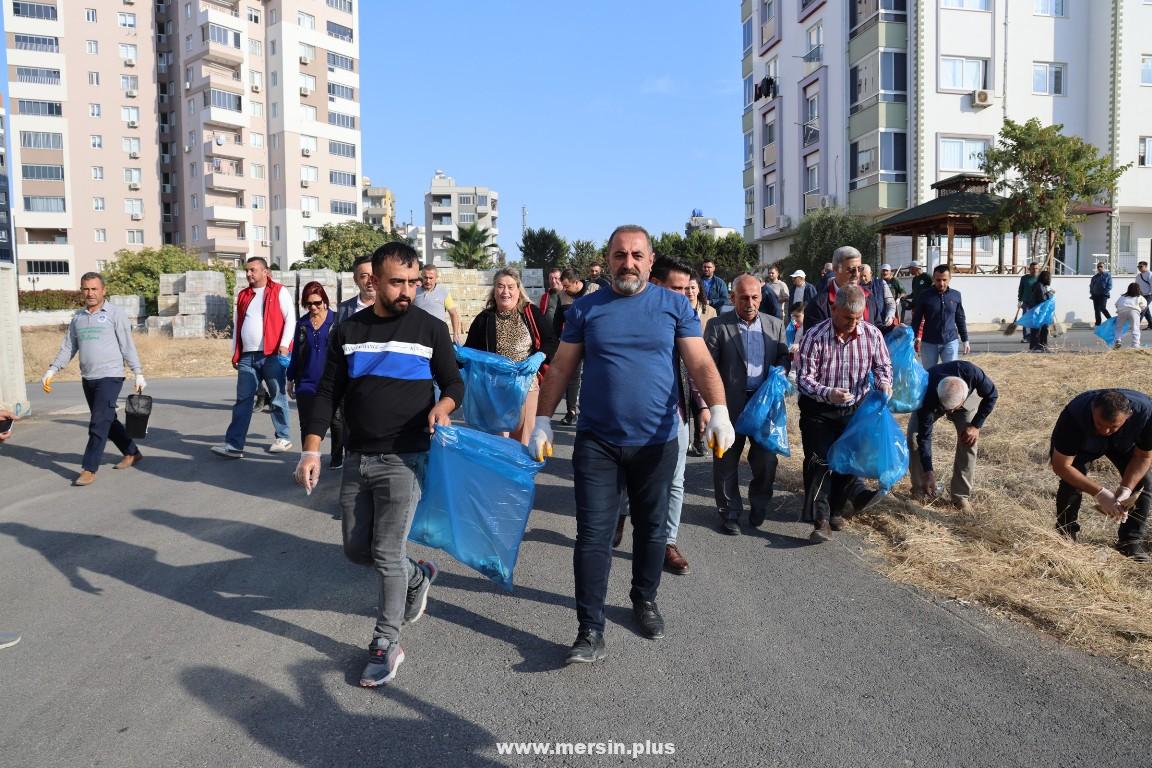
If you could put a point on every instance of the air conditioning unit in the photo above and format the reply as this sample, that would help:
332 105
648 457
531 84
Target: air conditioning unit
187 147
306 214
265 243
129 2
982 97
305 60
133 123
129 62
187 85
133 185
827 201
134 155
137 217
219 141
783 222
255 87
864 168
131 93
305 183
305 90
306 152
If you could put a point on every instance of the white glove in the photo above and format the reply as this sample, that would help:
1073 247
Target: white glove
308 470
540 444
1124 500
719 434
140 383
1106 500
46 381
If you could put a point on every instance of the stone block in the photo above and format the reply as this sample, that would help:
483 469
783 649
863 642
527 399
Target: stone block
133 306
167 306
206 281
172 284
188 327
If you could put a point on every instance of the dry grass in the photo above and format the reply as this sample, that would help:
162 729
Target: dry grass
1006 554
162 357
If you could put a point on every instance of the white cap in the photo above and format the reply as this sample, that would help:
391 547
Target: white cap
798 273
884 267
915 264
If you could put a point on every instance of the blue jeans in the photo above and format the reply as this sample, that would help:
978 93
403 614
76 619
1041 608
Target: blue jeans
253 368
676 491
601 473
933 354
103 426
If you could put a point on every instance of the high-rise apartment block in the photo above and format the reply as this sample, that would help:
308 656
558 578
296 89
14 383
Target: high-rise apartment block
6 254
447 207
379 206
865 104
231 127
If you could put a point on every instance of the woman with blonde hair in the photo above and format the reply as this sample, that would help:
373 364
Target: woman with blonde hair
512 326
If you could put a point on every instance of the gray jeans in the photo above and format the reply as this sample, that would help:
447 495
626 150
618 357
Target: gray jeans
963 465
378 497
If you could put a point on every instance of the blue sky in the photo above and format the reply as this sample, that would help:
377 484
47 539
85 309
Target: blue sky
591 114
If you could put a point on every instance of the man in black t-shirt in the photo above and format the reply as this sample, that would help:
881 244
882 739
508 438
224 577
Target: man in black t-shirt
1115 424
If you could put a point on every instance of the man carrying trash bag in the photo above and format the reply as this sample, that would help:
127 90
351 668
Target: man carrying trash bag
626 434
839 360
381 365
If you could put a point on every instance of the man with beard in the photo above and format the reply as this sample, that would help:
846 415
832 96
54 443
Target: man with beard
626 435
381 365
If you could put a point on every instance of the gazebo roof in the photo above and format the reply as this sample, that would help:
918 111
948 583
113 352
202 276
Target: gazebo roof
962 208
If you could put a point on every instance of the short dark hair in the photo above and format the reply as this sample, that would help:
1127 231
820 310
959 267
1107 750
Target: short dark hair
1111 404
260 259
570 276
313 288
91 276
401 252
1142 264
796 307
940 268
708 261
664 265
363 259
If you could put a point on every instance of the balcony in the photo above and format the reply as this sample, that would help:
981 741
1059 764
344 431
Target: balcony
229 214
811 132
813 59
769 215
224 146
768 155
230 245
221 116
213 51
224 181
816 200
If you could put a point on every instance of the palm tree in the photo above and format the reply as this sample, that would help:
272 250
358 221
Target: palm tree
471 249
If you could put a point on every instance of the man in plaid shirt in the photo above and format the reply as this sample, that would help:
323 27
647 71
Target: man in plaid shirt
836 357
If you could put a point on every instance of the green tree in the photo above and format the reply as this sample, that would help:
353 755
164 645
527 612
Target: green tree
340 244
543 248
733 255
138 272
472 249
672 245
1043 174
583 254
822 232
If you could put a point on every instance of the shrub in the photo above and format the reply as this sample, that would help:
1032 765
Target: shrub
49 300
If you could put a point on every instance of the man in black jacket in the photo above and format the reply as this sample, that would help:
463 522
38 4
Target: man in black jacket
362 276
381 365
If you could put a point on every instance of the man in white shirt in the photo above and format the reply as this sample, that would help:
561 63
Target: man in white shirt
1144 280
262 340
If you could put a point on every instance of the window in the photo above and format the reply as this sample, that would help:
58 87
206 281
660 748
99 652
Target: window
342 178
811 127
254 15
343 207
39 43
339 31
34 11
97 173
893 76
889 10
768 130
1049 7
338 91
337 61
307 52
272 43
274 109
259 202
135 237
42 108
222 99
46 267
748 149
91 46
256 140
255 47
41 75
195 232
749 92
132 175
341 5
130 114
259 232
195 201
133 205
37 172
1047 79
256 108
967 5
93 78
310 204
97 203
126 20
341 120
35 204
1146 70
308 112
308 142
961 154
221 36
305 20
893 156
129 82
769 194
311 233
749 206
256 78
309 173
747 31
96 141
466 200
960 74
41 140
130 144
812 178
1145 154
274 78
127 51
90 14
307 81
467 218
256 170
341 149
815 39
101 235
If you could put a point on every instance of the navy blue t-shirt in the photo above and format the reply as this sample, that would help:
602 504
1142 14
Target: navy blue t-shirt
1075 433
628 394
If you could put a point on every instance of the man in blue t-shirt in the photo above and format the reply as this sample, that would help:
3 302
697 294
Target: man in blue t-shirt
1115 424
626 434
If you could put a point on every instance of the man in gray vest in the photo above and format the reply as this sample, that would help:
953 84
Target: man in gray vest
436 301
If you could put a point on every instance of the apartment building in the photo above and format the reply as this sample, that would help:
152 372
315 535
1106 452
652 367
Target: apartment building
229 126
7 255
865 104
447 207
379 206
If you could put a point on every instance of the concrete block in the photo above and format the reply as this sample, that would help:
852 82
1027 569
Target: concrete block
133 306
167 306
172 284
204 304
207 281
158 326
188 327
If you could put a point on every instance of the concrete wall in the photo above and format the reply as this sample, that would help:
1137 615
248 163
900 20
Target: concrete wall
992 298
13 392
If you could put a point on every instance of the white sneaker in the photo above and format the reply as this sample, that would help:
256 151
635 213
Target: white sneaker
227 451
280 446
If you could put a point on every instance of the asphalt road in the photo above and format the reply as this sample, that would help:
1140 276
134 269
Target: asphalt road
197 611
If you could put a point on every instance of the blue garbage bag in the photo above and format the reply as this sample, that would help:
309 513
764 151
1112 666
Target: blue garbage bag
764 418
1040 315
495 388
909 379
1109 333
790 334
873 445
477 495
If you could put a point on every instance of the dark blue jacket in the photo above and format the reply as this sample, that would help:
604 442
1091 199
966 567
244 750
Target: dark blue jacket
1101 284
930 410
309 353
942 315
347 308
770 302
820 307
715 291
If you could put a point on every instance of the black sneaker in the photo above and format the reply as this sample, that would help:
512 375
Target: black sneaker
569 419
588 648
1134 549
336 464
418 595
384 658
649 618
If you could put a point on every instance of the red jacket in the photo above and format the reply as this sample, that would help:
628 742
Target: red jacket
273 319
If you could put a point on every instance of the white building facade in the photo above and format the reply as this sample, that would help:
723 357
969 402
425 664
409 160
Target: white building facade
447 207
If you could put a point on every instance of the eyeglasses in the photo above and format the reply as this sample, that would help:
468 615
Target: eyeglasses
854 270
313 303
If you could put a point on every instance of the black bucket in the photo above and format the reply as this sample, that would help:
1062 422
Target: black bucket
137 409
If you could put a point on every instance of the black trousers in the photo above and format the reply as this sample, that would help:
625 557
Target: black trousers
1100 307
1068 499
726 479
305 407
825 492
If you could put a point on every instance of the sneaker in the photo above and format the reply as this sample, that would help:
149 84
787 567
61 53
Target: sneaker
1134 549
418 596
336 464
569 419
8 639
648 616
280 446
227 451
588 648
384 658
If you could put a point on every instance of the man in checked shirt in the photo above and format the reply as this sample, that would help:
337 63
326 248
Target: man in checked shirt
836 357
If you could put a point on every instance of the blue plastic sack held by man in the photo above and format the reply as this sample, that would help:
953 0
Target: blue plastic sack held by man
764 418
495 388
873 445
